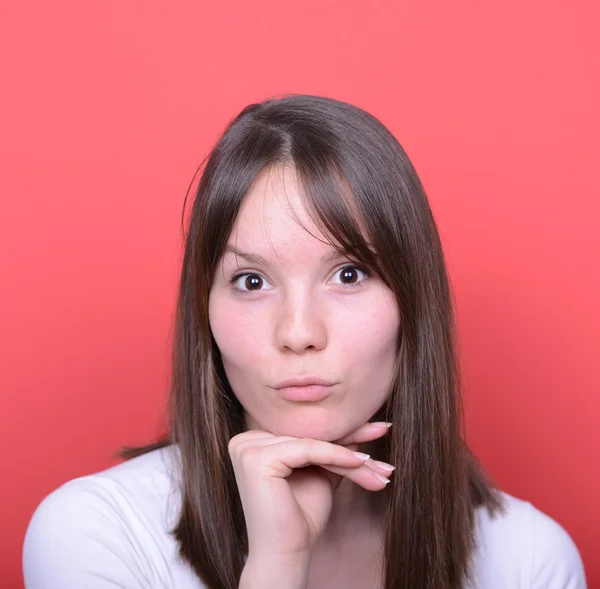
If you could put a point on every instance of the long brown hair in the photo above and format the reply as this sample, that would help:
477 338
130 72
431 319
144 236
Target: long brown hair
361 188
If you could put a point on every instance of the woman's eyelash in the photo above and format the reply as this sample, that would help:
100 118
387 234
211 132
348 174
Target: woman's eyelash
362 269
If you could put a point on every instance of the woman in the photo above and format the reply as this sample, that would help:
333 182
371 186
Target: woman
314 311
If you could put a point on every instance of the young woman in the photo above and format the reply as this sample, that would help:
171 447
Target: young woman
315 435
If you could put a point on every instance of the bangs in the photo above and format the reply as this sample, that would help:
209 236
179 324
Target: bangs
335 209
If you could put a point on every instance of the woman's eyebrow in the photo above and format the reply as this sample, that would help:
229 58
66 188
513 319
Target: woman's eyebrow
257 259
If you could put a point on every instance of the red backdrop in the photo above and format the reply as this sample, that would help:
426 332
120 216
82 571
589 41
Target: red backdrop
107 108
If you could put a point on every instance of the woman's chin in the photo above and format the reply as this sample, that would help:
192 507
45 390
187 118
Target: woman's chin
325 431
324 425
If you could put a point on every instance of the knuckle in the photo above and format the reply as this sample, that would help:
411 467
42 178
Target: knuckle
249 456
234 443
322 450
310 446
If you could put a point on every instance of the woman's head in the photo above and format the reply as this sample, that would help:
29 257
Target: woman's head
294 181
305 308
327 196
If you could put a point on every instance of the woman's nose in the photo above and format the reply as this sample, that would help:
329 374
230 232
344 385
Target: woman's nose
300 323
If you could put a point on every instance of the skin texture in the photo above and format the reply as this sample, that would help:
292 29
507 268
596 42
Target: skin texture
300 316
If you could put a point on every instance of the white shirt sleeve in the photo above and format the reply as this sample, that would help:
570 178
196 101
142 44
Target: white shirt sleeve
76 539
556 563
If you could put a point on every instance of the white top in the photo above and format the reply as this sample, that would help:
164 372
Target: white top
109 530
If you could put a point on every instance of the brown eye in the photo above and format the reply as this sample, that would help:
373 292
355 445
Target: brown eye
348 275
253 282
351 276
247 283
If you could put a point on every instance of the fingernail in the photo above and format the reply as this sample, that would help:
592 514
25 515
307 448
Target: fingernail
362 456
381 478
384 465
381 424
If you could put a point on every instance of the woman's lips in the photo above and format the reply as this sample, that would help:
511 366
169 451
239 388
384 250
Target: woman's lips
303 380
313 392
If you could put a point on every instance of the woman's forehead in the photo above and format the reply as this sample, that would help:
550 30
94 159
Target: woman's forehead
274 248
276 210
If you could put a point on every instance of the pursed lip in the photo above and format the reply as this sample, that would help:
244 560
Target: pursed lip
303 381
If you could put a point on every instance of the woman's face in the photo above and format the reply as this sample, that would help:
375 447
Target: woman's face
296 314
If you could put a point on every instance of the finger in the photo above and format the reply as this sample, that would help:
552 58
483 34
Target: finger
257 441
381 467
256 434
366 433
280 459
366 477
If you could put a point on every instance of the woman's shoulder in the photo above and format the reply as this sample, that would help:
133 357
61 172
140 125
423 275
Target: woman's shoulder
525 547
114 524
146 478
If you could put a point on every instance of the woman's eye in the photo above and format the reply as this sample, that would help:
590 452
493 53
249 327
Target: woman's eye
350 275
247 283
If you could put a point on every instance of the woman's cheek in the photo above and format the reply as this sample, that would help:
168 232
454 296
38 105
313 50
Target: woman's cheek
370 327
243 337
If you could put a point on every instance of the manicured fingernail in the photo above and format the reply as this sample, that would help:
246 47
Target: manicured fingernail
362 456
381 424
384 465
381 478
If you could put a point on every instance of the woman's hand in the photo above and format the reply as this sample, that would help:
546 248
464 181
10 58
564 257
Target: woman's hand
286 510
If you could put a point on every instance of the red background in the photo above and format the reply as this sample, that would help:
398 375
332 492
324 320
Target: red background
107 109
